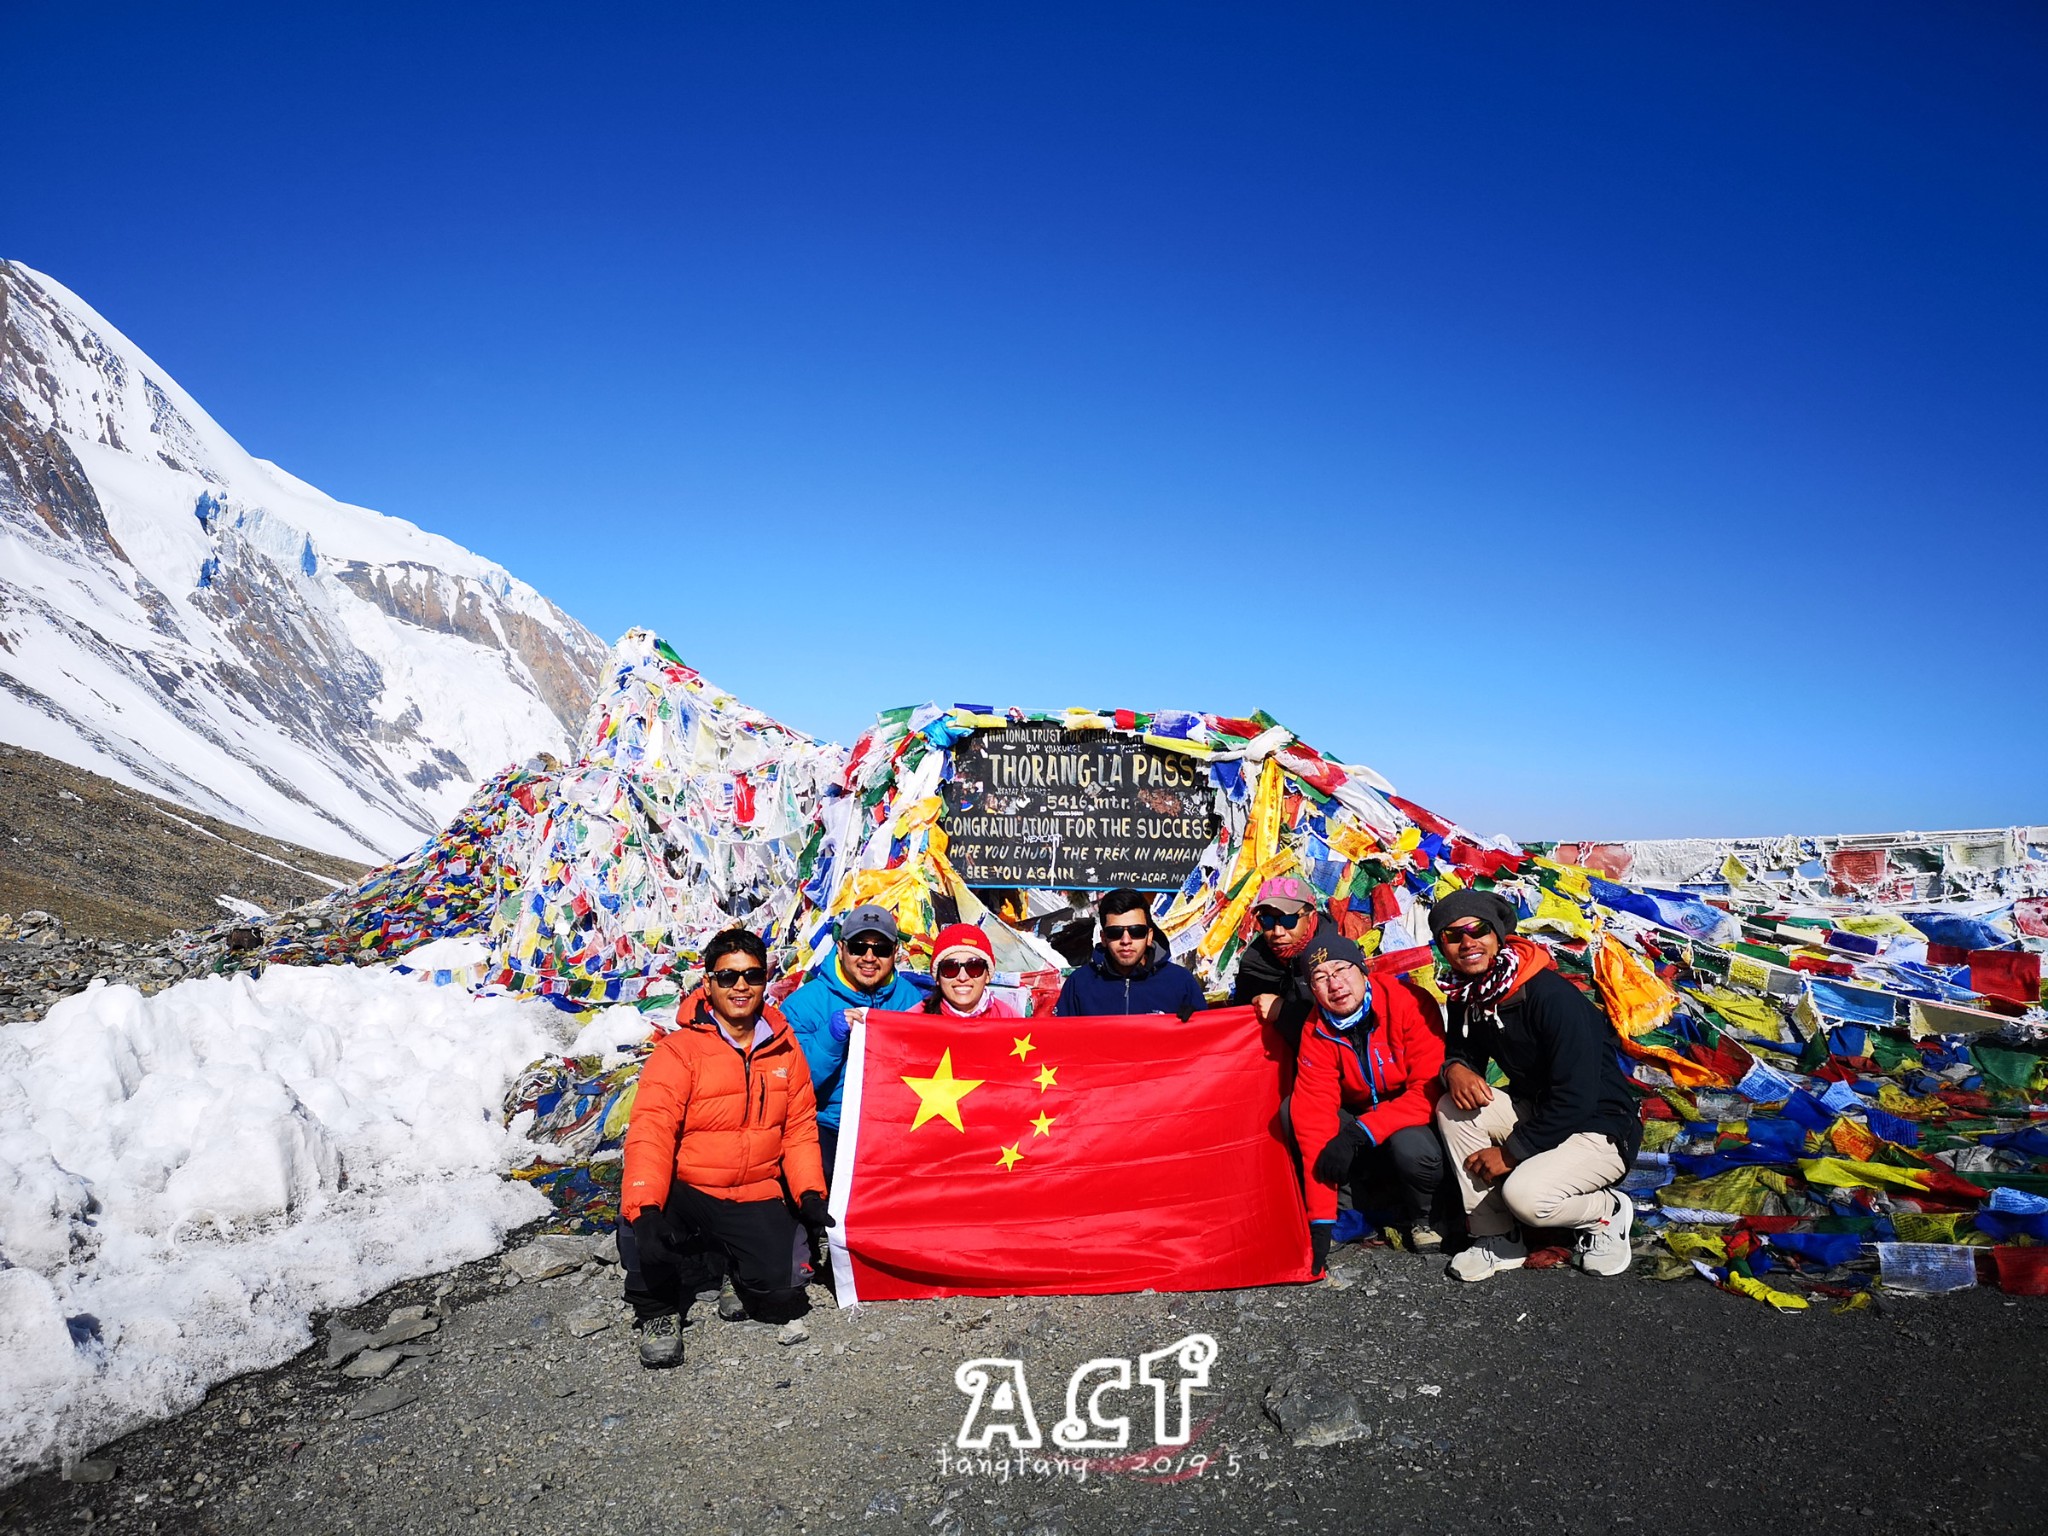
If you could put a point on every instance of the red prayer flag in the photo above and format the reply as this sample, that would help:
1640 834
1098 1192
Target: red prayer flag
1386 903
2012 974
1429 821
1058 1156
1395 962
2030 914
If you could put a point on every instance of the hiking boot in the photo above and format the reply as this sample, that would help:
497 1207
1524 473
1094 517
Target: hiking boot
661 1342
730 1307
1487 1257
1604 1250
1424 1238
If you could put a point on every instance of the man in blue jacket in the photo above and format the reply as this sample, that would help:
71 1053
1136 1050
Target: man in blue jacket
859 974
1129 971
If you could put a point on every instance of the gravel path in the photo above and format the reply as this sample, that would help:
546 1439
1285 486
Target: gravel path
1558 1401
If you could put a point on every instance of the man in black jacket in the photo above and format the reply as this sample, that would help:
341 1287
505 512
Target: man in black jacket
1289 921
1549 1151
1130 971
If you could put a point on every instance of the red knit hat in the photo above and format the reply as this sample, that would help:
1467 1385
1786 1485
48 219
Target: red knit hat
961 938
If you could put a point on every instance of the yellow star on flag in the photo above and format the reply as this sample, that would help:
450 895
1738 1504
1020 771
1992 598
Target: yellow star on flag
1043 1124
940 1094
1010 1156
1045 1078
1023 1048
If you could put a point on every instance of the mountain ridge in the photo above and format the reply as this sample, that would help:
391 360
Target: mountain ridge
198 623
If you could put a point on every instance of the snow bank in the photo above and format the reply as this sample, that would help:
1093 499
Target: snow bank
186 1179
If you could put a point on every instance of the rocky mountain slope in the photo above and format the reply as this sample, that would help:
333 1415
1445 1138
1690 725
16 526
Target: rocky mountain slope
112 861
189 620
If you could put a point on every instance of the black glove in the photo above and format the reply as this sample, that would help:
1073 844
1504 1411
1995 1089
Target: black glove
651 1237
1186 1011
812 1213
1319 1246
1335 1160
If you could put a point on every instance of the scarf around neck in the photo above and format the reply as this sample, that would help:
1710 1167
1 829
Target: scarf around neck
1483 994
988 995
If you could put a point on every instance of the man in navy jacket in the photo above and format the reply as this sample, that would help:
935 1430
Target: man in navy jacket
1129 971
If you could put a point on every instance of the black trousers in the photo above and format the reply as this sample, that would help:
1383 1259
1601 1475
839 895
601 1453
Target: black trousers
1411 1161
828 1148
753 1241
1409 1165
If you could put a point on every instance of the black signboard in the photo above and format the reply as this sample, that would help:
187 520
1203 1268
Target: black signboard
1038 805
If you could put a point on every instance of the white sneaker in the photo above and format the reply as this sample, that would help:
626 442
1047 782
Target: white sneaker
1604 1250
1487 1257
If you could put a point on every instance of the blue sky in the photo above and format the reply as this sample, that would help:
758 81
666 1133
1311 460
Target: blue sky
1626 421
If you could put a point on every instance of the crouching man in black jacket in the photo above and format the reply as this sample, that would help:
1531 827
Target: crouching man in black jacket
1548 1151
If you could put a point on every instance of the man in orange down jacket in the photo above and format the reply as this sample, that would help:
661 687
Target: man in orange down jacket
1365 1089
722 1142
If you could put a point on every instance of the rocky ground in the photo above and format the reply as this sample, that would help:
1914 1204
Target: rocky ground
112 861
1538 1400
100 882
41 962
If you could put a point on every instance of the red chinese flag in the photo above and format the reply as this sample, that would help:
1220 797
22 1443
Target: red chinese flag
1015 1157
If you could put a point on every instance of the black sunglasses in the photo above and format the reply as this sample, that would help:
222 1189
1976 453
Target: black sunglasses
870 947
1457 933
753 976
1130 932
1269 917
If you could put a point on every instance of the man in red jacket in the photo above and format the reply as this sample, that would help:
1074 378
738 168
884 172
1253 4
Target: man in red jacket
1365 1089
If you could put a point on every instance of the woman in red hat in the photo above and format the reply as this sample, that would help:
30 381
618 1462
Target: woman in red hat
964 963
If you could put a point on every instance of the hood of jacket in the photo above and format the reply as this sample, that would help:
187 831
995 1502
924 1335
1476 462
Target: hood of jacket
1533 957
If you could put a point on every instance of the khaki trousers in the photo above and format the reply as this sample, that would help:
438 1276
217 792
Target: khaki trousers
1564 1187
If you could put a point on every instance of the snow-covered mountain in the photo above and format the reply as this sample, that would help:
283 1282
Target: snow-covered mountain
183 617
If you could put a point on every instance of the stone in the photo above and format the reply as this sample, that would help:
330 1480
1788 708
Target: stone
793 1333
406 1315
1314 1411
606 1249
344 1343
402 1332
401 1394
372 1364
591 1320
546 1257
88 1471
